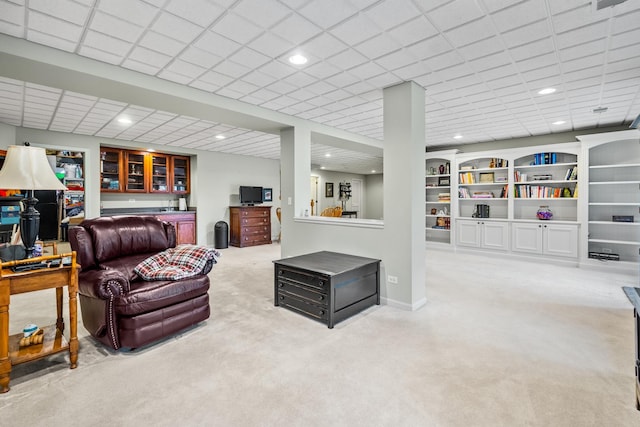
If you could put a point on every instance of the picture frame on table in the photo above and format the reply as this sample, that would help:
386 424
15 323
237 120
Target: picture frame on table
267 195
328 189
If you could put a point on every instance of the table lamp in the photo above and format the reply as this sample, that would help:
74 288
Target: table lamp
27 168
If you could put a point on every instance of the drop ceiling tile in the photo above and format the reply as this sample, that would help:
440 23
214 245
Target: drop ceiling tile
537 62
622 65
413 31
100 55
236 28
141 67
389 14
177 28
626 21
322 70
347 59
62 9
296 29
249 58
231 69
624 53
216 79
216 44
200 12
431 47
185 69
116 27
471 32
135 11
11 29
444 61
527 34
356 30
412 71
328 13
54 27
537 48
575 18
160 43
557 7
261 13
199 57
454 14
519 15
500 59
583 63
582 35
272 45
107 44
12 13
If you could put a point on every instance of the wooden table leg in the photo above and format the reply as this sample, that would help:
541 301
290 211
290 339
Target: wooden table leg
74 345
59 306
5 363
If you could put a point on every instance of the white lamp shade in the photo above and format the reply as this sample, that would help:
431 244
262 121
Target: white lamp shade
27 168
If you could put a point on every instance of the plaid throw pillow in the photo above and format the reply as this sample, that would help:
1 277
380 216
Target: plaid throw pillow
176 263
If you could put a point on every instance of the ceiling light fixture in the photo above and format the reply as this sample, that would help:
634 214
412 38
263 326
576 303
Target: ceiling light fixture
559 122
298 59
457 136
546 91
373 171
600 110
124 121
220 137
328 155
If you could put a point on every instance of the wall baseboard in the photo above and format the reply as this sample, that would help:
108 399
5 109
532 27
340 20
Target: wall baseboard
403 305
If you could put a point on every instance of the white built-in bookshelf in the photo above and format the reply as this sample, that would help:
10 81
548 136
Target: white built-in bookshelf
438 185
614 202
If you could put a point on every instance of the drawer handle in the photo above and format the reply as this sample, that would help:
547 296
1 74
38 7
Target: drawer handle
281 285
281 297
321 297
321 312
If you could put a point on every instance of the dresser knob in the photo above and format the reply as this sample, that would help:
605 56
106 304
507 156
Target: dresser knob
321 297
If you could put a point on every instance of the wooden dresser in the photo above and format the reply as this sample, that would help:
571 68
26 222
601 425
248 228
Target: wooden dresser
250 225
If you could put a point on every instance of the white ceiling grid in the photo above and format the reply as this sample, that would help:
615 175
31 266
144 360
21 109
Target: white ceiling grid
481 62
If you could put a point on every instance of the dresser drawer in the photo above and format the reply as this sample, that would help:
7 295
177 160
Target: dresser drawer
255 213
250 230
255 239
302 306
254 221
302 292
303 278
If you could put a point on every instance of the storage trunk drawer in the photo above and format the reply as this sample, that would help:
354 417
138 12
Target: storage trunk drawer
302 306
303 292
306 279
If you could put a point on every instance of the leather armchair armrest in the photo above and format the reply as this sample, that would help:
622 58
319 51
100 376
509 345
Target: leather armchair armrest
103 284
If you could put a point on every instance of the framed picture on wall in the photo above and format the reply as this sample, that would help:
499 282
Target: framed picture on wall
328 189
267 195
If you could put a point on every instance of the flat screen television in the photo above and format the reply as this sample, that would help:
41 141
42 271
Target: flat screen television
250 195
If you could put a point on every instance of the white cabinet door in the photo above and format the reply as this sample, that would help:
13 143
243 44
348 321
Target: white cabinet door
468 233
560 240
495 235
527 237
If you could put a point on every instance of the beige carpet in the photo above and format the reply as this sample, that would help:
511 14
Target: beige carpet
499 343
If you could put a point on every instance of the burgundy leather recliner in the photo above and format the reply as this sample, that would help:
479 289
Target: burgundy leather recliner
120 309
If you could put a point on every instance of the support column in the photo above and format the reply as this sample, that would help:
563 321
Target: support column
295 175
404 197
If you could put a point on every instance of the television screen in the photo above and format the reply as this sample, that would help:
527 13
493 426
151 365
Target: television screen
250 195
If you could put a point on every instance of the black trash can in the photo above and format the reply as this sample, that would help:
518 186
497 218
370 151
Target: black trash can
221 235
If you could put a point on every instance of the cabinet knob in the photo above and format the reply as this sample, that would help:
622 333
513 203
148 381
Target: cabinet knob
281 272
281 297
321 312
321 297
281 285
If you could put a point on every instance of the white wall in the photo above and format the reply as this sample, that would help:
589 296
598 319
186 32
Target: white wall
374 204
214 186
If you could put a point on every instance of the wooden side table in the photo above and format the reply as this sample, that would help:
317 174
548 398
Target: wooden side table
12 283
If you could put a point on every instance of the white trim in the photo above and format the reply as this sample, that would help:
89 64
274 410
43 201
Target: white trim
403 305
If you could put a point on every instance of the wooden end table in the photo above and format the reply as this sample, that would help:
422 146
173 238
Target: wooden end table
12 283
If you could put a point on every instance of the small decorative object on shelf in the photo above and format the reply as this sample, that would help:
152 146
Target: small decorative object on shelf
544 213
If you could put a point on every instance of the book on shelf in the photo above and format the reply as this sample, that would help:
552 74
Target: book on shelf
526 191
467 178
482 195
544 158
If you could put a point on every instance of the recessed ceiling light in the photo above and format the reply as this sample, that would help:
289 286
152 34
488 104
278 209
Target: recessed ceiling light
600 110
547 91
328 155
457 136
373 171
151 150
298 59
124 121
322 167
220 136
559 122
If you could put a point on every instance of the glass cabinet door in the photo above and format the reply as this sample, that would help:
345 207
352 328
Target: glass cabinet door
135 172
159 173
110 170
180 174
